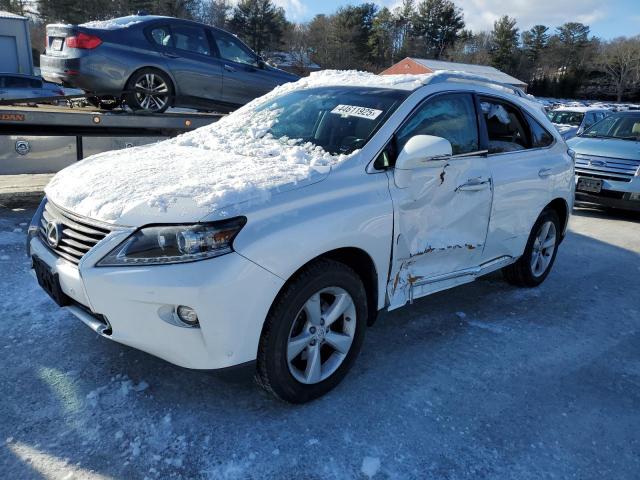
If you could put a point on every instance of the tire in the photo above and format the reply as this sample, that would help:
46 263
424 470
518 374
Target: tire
106 102
294 324
526 273
153 91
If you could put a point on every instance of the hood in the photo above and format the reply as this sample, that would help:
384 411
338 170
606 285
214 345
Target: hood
606 147
189 177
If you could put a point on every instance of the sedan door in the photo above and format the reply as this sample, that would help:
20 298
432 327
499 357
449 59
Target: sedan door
191 60
441 218
244 80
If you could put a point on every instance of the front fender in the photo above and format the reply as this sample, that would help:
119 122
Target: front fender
349 209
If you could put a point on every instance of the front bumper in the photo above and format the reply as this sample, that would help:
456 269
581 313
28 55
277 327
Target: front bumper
230 294
614 194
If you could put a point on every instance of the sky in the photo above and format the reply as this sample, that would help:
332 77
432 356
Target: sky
607 18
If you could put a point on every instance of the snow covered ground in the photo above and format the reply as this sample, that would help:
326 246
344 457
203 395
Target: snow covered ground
485 381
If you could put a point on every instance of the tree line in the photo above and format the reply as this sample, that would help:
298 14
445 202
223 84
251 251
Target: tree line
562 61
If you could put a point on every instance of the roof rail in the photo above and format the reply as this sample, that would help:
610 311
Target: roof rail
445 76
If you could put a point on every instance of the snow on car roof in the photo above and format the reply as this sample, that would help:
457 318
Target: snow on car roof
566 108
114 23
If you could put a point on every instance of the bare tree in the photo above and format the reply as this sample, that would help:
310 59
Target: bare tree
620 60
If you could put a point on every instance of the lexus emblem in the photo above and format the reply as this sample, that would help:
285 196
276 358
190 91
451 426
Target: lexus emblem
53 234
23 147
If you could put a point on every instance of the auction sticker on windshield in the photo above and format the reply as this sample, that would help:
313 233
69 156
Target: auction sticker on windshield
355 111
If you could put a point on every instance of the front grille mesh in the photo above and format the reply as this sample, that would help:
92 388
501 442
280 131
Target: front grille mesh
618 169
78 235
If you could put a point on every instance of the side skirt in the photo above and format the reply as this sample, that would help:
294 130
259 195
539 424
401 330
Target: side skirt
427 286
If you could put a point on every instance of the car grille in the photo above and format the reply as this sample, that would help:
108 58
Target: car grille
618 169
77 235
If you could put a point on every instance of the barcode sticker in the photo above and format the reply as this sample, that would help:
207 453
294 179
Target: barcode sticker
355 111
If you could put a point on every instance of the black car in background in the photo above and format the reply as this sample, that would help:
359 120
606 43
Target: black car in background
159 62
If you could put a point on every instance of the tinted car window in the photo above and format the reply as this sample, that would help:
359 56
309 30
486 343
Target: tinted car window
506 129
161 36
540 137
448 116
232 49
191 39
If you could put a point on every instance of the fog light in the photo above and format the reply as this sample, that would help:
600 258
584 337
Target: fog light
634 196
187 315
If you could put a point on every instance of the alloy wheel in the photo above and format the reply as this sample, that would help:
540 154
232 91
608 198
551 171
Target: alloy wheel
543 248
321 335
151 92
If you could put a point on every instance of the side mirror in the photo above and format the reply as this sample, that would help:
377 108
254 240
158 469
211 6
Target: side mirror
260 62
417 153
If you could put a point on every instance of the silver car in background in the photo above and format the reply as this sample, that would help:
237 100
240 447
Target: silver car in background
159 62
572 121
607 162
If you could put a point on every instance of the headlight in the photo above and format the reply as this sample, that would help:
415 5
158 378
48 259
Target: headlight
164 244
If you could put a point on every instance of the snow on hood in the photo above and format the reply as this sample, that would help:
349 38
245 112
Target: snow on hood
188 177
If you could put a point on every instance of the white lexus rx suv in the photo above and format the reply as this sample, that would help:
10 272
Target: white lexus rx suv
275 235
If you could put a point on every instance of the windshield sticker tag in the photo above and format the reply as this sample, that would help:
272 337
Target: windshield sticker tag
355 111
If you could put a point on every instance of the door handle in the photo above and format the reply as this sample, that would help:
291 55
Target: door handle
171 55
544 172
229 68
474 185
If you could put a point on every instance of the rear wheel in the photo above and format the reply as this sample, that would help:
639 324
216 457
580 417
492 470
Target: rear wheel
539 255
313 334
105 102
151 90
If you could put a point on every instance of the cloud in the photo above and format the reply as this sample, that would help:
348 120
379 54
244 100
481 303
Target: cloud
295 9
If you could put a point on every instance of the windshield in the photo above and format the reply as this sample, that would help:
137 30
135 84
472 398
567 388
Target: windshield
339 120
566 118
622 126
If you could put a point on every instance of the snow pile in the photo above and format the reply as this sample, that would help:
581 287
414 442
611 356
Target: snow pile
225 163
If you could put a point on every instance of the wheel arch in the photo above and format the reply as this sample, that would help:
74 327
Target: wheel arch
560 206
359 261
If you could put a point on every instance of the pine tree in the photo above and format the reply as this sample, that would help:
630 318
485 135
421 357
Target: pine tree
504 43
259 23
437 24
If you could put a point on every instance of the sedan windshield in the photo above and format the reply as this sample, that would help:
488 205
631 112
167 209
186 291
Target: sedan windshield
566 118
619 125
340 120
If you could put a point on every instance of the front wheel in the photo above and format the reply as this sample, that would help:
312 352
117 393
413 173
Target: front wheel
313 333
539 255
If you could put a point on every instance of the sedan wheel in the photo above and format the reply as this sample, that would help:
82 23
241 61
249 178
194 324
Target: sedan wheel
321 335
150 90
152 93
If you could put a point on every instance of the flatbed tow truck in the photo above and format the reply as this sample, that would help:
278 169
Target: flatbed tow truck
38 141
45 139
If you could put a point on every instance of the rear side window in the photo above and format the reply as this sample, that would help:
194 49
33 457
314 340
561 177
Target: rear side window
540 137
448 116
506 128
232 49
190 39
161 36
